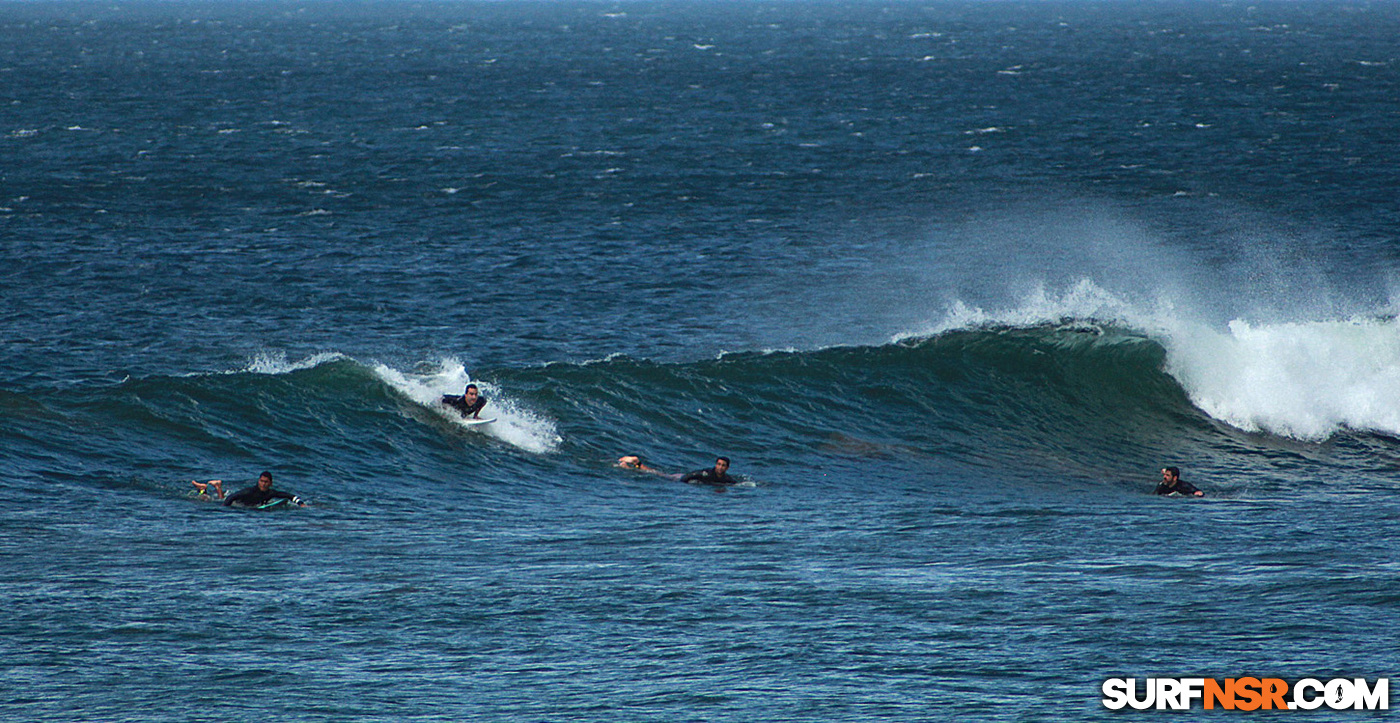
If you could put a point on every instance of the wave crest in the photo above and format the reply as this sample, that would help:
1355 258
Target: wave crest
1302 380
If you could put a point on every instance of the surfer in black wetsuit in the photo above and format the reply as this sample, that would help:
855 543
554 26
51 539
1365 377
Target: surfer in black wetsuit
717 475
1172 482
261 494
469 404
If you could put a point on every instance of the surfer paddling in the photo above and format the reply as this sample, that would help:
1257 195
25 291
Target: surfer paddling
717 476
260 494
632 461
470 403
1172 482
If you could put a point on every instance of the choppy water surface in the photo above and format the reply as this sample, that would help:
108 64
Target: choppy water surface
949 282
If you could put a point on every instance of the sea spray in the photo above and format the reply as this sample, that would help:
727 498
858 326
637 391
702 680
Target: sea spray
274 363
1083 301
1301 379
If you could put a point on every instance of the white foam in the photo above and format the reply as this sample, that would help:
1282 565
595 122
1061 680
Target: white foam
1300 379
514 425
1084 301
276 363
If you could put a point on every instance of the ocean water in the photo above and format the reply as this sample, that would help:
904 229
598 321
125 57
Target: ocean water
948 281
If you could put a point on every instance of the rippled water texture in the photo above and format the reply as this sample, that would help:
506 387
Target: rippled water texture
949 282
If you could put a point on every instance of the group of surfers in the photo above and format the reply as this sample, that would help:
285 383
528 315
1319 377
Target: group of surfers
471 402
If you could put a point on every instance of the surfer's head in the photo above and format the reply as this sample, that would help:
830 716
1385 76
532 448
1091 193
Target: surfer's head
265 481
630 461
470 393
722 465
1170 474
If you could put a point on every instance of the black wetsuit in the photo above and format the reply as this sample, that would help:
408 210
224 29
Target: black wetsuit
709 477
1180 486
457 402
254 497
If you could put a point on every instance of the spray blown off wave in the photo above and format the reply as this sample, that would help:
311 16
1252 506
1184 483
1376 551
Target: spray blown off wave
1306 380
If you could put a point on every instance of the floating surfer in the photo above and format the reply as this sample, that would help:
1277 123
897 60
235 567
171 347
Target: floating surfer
260 495
469 404
717 476
1173 483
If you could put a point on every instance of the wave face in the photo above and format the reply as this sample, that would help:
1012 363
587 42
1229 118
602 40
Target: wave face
973 396
1071 400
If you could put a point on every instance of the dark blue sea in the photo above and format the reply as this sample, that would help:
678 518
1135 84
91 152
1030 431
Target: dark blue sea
949 281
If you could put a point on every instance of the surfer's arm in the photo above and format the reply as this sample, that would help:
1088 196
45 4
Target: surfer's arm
238 497
288 496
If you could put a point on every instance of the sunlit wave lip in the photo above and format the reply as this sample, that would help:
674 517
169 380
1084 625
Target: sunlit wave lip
273 364
607 359
277 363
1306 380
1084 302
